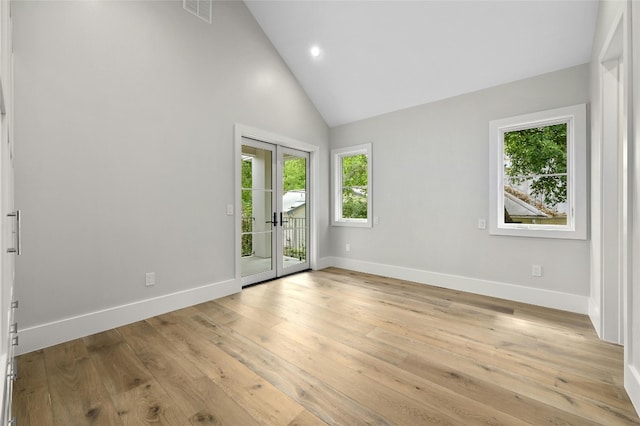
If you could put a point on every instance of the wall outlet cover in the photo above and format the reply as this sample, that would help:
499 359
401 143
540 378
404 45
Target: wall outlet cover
536 270
150 279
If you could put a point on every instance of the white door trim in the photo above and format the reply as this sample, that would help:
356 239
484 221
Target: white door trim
610 188
632 306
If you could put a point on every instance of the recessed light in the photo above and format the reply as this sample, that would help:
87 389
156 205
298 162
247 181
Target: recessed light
315 51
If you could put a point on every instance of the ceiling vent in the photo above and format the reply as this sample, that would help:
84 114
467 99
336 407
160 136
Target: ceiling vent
200 8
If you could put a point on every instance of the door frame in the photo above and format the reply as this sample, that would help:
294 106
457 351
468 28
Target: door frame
632 305
240 131
610 229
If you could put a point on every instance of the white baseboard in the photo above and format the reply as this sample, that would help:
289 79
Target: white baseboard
632 385
530 295
594 316
53 333
324 262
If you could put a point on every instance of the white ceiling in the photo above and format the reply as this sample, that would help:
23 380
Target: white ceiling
382 56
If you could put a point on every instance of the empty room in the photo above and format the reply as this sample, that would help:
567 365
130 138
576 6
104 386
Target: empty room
320 212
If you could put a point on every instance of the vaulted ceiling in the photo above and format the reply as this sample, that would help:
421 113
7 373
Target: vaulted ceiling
381 56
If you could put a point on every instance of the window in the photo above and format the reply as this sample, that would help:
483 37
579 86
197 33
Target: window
351 179
538 174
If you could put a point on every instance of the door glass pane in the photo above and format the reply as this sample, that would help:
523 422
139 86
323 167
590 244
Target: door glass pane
294 210
257 211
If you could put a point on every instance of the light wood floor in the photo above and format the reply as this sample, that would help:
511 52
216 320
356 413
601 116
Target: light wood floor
333 347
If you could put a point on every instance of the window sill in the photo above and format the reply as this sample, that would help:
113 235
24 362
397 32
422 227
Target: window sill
532 231
355 223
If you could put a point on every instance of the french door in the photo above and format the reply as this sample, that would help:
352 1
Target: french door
275 214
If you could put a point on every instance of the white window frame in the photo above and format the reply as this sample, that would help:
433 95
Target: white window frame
336 183
576 118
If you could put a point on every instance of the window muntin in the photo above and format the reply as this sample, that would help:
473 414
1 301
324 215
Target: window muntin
352 186
538 174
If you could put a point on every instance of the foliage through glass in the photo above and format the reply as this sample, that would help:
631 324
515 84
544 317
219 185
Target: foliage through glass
354 186
535 175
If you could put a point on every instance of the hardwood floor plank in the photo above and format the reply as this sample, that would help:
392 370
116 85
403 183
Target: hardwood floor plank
259 314
120 368
78 395
306 419
365 391
580 382
327 403
550 317
138 398
494 329
461 409
493 367
219 409
490 335
221 316
565 400
493 395
333 347
259 398
148 404
340 324
296 304
32 400
197 396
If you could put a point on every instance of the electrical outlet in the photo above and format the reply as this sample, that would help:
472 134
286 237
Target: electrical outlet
376 220
482 224
149 279
347 248
229 209
536 270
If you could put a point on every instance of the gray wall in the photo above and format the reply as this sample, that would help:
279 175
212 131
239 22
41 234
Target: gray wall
124 146
430 168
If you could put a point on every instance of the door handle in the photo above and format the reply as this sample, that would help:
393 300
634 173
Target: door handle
282 222
274 222
18 248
